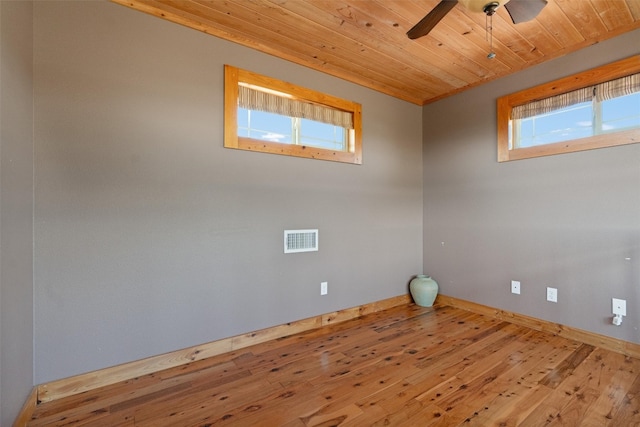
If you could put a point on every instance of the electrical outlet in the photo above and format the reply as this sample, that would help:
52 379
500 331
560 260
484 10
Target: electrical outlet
324 288
515 287
619 306
552 294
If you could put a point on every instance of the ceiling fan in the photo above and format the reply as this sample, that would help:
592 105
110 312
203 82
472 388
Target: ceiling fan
519 10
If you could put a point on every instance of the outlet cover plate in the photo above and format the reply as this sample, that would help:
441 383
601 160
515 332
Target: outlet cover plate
515 287
619 306
552 294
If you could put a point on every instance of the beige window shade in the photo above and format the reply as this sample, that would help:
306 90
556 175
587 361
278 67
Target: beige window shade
618 87
553 103
603 91
253 99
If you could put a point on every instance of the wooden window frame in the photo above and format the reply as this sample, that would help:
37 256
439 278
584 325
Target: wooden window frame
591 77
233 76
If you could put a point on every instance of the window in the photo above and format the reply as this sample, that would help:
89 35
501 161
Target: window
272 116
595 109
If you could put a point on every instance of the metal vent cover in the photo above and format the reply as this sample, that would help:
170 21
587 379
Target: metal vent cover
300 241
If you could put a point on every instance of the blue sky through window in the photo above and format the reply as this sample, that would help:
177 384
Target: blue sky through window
580 121
621 113
278 128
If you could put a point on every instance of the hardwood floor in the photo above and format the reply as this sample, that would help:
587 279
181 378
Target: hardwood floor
406 366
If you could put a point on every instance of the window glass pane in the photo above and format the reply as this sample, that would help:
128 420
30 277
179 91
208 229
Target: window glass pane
243 122
322 135
562 125
243 118
277 128
526 136
621 113
265 126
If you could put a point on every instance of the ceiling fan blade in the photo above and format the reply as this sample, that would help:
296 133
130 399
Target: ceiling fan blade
524 10
427 23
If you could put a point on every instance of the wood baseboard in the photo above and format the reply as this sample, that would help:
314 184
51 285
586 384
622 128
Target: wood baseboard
602 341
27 409
91 380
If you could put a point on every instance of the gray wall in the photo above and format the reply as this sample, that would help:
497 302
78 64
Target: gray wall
151 237
16 207
570 221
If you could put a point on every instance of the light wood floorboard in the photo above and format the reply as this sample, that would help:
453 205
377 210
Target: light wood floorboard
405 366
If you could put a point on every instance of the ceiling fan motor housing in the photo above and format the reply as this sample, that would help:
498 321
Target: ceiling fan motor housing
482 6
490 8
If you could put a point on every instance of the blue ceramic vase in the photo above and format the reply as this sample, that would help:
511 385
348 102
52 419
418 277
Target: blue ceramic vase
423 290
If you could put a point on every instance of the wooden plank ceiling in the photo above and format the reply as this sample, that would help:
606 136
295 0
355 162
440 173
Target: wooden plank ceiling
365 42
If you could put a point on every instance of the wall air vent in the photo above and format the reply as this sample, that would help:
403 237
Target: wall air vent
300 241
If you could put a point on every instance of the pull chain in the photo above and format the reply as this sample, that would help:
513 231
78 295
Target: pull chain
488 23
